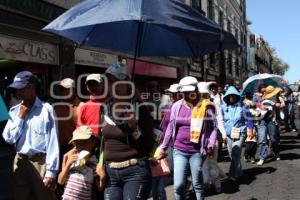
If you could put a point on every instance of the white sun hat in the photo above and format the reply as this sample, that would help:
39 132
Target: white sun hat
173 88
203 87
188 84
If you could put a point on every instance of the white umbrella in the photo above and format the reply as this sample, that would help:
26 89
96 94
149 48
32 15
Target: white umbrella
252 83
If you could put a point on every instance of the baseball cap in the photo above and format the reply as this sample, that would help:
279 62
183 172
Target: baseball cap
21 80
81 133
94 77
188 84
67 83
203 87
119 71
173 88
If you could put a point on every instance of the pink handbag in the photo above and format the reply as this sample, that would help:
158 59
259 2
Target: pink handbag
161 169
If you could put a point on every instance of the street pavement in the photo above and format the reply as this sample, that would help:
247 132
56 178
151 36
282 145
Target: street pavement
275 180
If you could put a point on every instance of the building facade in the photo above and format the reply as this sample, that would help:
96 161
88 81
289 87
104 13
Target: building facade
259 57
263 56
227 66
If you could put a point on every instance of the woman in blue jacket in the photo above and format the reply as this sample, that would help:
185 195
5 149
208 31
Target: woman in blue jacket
238 123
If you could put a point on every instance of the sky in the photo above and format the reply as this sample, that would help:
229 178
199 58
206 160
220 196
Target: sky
278 21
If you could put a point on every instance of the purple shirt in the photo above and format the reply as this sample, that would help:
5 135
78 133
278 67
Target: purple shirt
165 121
208 138
183 124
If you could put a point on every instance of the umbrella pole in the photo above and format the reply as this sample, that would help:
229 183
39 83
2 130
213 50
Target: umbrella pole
136 50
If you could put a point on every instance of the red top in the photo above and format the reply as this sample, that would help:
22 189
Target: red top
88 114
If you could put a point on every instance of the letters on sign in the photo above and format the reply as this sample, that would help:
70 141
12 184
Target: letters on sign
27 50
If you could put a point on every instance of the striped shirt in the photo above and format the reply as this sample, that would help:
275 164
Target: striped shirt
80 181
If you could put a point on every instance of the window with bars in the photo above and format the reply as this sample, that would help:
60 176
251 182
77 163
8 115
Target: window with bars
212 60
221 19
229 26
236 34
197 5
237 67
210 9
229 63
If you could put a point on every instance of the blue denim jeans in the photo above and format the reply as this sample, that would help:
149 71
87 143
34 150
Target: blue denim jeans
132 182
264 129
182 163
272 131
158 187
235 151
262 140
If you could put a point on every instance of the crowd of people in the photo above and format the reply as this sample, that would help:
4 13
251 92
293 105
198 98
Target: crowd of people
123 144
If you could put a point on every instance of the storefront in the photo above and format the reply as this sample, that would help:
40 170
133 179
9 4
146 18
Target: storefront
147 71
90 61
17 54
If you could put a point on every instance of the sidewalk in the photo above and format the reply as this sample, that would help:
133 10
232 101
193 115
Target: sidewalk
275 180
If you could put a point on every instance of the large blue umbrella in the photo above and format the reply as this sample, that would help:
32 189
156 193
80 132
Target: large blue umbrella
142 28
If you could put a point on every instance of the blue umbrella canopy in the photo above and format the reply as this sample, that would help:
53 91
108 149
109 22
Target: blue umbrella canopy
142 28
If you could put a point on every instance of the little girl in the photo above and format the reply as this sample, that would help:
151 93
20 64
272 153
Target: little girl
79 166
250 148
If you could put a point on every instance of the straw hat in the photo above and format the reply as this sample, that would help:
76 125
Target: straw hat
270 92
81 133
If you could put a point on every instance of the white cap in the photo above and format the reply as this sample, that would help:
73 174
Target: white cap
94 77
67 83
188 84
173 88
203 87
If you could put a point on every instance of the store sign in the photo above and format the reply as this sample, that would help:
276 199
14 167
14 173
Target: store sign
151 69
94 58
63 3
12 48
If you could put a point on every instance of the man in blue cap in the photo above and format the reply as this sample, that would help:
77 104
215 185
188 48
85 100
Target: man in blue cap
33 131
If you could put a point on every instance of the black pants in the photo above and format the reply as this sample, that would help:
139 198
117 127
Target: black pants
250 149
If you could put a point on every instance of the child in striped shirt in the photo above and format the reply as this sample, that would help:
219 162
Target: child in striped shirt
79 166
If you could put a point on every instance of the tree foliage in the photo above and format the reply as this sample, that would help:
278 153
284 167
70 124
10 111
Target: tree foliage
279 66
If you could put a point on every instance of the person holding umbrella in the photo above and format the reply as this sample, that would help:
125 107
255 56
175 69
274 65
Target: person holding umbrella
268 124
128 136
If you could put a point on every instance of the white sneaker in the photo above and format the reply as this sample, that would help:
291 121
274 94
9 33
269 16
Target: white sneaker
260 162
278 158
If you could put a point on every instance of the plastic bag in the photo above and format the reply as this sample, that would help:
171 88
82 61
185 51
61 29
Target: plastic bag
211 171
